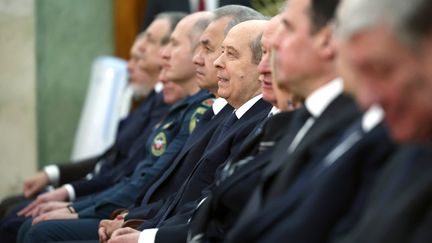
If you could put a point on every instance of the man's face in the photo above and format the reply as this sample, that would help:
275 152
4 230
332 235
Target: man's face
265 66
177 55
295 59
208 50
387 72
137 76
237 74
150 46
172 92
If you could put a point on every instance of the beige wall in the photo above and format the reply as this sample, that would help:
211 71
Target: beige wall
17 94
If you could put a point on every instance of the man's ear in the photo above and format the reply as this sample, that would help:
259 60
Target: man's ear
324 42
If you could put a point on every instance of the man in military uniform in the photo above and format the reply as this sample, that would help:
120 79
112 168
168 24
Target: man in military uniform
166 140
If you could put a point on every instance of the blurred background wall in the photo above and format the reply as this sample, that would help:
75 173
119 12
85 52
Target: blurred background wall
17 93
46 51
69 35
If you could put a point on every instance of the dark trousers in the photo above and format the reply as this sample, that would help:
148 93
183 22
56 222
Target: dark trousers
60 230
11 223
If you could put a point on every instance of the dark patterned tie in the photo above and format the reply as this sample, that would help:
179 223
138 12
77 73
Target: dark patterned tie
227 125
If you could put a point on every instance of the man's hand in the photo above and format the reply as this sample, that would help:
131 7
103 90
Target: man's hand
35 184
107 227
59 194
125 235
62 213
48 207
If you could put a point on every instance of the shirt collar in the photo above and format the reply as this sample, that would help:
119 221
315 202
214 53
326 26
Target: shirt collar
318 101
158 87
246 106
372 117
274 110
218 105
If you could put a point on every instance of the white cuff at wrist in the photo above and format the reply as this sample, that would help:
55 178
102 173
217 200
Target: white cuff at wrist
53 173
71 191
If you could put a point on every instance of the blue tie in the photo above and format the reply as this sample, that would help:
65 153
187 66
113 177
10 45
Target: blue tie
227 125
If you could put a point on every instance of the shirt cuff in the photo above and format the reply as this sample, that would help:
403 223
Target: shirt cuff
53 173
148 236
71 191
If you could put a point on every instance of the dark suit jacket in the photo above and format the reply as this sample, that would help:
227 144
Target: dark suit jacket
222 207
117 165
333 201
164 143
194 148
399 209
177 210
198 173
340 113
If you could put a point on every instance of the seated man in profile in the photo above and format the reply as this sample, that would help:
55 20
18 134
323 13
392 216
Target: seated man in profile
163 145
237 72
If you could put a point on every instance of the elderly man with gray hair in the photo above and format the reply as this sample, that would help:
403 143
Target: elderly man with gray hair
385 48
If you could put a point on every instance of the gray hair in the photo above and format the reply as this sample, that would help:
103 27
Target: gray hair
238 14
255 46
402 16
198 28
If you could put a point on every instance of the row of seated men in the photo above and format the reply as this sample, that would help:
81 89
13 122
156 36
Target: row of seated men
313 126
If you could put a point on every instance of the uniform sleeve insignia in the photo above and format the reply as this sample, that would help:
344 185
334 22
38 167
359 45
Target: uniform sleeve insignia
195 118
159 144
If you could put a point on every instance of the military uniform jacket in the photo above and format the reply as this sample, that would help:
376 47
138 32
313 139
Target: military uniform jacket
165 141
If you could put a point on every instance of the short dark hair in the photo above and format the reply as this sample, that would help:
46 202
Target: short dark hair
321 13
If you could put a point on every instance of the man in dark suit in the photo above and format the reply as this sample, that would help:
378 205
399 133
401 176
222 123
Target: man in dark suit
180 168
297 157
237 178
397 77
225 142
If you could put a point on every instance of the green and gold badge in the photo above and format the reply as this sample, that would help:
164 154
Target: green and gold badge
159 144
193 121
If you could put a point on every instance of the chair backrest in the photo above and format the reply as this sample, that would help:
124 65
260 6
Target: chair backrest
102 110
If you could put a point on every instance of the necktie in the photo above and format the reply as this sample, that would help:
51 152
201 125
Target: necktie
350 137
227 125
299 127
